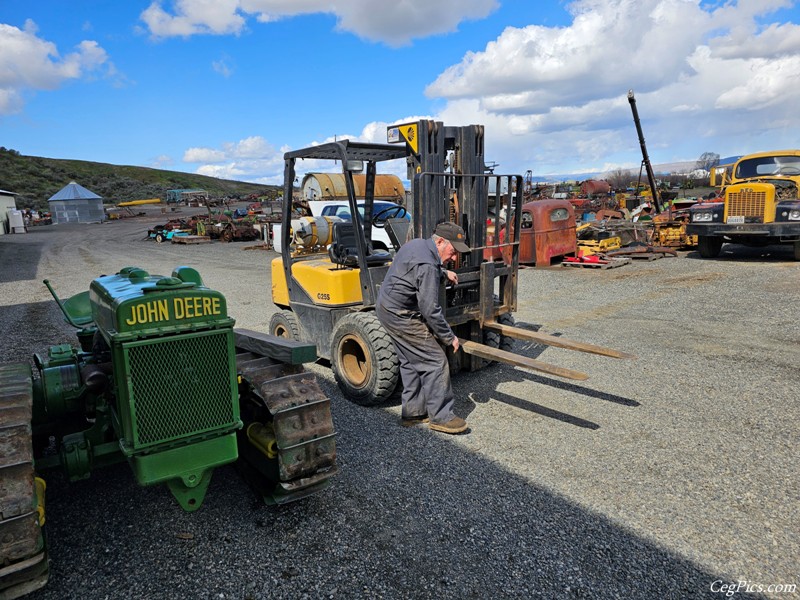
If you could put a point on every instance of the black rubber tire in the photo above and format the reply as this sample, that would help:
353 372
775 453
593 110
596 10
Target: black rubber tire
160 237
797 250
495 339
284 324
363 359
709 246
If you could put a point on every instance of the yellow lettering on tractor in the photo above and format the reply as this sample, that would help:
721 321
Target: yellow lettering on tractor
157 311
178 307
148 312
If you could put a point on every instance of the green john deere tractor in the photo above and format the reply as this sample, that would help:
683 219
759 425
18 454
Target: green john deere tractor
162 380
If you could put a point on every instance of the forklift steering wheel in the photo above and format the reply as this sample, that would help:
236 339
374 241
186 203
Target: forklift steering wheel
392 212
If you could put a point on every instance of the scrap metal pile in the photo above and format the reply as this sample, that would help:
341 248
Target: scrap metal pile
239 225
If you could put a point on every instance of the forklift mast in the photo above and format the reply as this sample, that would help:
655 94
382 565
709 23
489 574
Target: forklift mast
450 182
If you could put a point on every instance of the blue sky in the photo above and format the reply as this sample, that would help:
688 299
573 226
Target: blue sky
224 87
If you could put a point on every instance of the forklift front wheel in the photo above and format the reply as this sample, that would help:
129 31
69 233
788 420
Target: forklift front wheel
284 324
363 359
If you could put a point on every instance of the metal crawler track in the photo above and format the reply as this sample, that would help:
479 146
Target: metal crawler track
23 559
287 399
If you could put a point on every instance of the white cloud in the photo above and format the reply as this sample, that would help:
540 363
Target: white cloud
708 77
227 171
28 62
608 45
395 24
162 161
194 17
222 66
555 97
203 155
252 147
249 159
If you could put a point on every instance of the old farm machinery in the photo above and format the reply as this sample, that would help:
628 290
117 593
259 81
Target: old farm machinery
162 380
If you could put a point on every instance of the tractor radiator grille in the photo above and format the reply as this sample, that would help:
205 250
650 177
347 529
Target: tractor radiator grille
746 204
180 387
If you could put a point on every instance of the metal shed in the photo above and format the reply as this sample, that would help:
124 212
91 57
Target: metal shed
75 204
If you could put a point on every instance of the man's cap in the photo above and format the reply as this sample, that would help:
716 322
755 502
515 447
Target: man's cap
453 234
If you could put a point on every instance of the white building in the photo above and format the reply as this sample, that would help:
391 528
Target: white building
7 203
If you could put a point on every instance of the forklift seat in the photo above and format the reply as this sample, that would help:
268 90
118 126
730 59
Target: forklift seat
344 250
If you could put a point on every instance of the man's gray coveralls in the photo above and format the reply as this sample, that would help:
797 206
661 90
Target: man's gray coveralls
408 308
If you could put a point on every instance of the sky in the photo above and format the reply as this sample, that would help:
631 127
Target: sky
225 87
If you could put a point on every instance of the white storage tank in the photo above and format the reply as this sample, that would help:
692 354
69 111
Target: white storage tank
331 186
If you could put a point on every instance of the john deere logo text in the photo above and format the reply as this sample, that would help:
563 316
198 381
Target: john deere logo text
187 307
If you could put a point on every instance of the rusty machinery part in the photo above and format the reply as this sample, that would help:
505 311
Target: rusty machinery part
23 558
287 445
785 190
364 359
673 234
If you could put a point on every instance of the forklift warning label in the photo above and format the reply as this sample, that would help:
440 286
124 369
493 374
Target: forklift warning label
178 308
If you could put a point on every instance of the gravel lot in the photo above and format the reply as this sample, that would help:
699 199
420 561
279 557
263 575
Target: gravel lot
653 479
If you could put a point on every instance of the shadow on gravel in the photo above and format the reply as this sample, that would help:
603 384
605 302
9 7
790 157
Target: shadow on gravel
411 515
584 391
43 326
25 258
743 254
528 405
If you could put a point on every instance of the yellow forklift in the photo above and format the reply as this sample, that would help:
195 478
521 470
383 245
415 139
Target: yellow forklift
327 279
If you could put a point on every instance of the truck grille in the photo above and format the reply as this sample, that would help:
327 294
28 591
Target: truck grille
180 386
747 203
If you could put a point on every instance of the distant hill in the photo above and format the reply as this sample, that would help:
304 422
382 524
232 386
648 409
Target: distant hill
34 179
659 169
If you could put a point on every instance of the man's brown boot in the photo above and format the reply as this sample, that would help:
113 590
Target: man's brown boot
454 425
411 421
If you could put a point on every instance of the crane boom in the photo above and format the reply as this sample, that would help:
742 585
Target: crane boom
645 158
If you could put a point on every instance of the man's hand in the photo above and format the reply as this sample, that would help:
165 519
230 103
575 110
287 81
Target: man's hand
451 276
456 343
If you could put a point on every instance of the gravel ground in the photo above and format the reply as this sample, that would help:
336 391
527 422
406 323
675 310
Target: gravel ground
653 479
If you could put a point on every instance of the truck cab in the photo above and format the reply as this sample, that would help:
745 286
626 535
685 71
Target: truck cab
758 206
382 209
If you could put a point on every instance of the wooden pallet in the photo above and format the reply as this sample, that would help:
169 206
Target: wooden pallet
609 264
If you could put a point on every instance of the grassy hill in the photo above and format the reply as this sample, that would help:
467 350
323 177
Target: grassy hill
34 179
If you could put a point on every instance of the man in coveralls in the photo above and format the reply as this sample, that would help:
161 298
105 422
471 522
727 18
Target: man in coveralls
408 308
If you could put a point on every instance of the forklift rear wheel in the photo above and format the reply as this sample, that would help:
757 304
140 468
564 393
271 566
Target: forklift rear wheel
363 359
709 246
284 324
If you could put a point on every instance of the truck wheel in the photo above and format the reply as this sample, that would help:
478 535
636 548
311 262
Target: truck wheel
709 246
284 324
363 359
